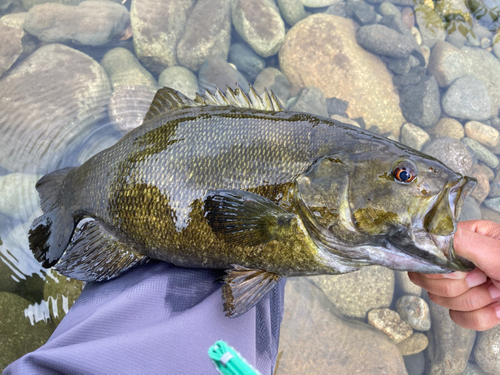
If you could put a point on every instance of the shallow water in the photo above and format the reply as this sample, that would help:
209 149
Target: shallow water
61 104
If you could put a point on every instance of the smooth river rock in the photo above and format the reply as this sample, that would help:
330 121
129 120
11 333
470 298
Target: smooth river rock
157 26
314 340
332 61
41 116
451 152
487 350
356 293
92 23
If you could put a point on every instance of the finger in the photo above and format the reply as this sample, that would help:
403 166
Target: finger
496 283
447 287
453 275
484 227
479 320
473 299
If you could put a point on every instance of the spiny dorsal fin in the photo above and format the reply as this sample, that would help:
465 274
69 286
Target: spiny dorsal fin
167 99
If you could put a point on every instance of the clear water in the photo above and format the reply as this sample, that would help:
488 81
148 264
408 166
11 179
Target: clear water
73 137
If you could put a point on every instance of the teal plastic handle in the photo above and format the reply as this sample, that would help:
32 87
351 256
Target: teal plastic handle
228 361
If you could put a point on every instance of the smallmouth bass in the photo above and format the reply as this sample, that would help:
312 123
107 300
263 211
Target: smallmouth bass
232 181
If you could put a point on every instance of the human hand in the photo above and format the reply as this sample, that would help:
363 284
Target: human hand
474 297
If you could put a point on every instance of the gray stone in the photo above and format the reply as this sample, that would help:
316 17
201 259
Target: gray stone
360 12
336 106
456 36
260 25
405 286
483 184
292 11
356 293
398 66
485 134
389 322
351 73
414 344
451 152
128 105
91 23
15 42
449 344
157 27
413 136
487 350
381 40
495 186
467 98
314 340
495 122
481 152
180 79
207 33
407 79
19 197
311 100
470 210
28 4
275 81
446 63
389 9
35 83
124 69
344 120
473 369
408 17
337 9
318 3
414 311
415 364
448 127
420 102
216 71
17 335
246 61
430 24
493 203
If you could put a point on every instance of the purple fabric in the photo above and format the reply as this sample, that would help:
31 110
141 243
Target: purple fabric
155 319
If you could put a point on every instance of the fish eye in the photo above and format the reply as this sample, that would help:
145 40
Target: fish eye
405 172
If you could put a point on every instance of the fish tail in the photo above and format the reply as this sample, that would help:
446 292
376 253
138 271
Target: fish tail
50 233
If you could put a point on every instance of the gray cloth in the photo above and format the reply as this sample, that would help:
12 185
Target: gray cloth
155 319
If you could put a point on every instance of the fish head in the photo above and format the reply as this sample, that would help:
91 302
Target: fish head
384 203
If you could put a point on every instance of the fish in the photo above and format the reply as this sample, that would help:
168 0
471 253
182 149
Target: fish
233 181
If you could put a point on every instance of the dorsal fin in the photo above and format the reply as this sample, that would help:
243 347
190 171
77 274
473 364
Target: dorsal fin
167 99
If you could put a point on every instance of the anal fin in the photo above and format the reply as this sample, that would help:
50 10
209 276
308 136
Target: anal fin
245 287
96 254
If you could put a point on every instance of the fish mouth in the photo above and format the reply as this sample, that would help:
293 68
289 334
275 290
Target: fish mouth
431 238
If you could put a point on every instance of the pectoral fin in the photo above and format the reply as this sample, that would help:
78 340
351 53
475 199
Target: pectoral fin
245 218
96 254
244 287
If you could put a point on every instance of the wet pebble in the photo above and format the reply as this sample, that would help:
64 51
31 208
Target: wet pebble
216 71
414 344
413 136
128 105
451 152
15 42
415 363
414 311
448 127
246 61
337 106
493 203
481 152
482 189
495 186
408 17
337 9
446 63
410 78
430 25
180 79
207 33
292 11
384 41
487 350
157 27
467 98
259 23
273 80
318 3
389 322
91 23
398 66
360 12
485 134
123 68
405 286
356 293
311 100
420 102
473 369
19 197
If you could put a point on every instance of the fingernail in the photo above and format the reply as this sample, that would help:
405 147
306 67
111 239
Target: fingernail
494 291
455 275
475 278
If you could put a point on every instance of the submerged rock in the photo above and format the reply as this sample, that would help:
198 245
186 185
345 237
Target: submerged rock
273 80
311 100
451 152
414 311
246 60
334 62
217 72
389 322
420 102
487 350
180 79
414 344
467 98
